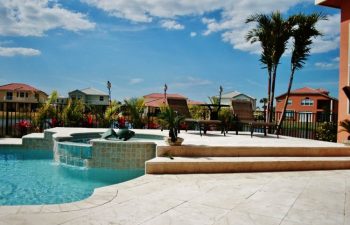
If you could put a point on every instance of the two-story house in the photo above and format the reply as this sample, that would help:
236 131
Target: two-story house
226 99
91 96
20 97
308 104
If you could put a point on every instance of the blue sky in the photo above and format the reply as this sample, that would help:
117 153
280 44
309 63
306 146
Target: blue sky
138 45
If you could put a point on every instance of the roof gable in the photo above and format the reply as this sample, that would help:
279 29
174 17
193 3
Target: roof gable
90 91
234 94
308 91
19 87
161 95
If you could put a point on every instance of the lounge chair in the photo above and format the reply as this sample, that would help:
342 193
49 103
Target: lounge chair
181 107
243 112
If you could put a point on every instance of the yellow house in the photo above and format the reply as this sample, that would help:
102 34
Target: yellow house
20 97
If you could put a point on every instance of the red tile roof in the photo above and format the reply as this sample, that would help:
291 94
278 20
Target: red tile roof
17 87
308 91
161 95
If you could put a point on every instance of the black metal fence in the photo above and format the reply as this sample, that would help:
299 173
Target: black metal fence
16 124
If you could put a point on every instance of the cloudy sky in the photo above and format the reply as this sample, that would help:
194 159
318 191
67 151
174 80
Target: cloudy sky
193 46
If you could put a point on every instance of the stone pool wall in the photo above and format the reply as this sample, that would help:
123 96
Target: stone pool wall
105 154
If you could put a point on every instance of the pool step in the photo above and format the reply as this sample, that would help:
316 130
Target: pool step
181 165
247 151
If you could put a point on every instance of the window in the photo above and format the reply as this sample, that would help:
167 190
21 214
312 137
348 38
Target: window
289 114
21 94
9 95
290 101
101 98
26 94
307 102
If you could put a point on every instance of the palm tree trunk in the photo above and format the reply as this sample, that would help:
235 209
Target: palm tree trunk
283 115
273 85
268 96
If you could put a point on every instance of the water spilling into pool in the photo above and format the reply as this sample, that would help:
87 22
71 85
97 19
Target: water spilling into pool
32 177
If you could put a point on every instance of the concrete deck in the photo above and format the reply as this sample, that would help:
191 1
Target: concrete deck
290 198
279 198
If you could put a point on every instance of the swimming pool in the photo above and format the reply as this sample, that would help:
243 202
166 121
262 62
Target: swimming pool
32 177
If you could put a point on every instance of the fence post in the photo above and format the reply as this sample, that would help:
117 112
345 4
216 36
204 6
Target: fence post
7 122
307 125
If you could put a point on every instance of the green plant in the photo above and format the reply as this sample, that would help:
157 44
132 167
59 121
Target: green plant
46 111
135 108
73 113
111 113
345 124
169 118
327 131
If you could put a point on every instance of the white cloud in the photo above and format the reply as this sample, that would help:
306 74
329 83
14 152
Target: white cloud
136 80
9 52
147 10
230 24
193 34
35 17
171 25
191 82
331 35
331 65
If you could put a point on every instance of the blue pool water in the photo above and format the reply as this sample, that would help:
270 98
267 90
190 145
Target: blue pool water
32 177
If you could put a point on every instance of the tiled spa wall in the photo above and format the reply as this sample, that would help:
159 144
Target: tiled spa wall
105 154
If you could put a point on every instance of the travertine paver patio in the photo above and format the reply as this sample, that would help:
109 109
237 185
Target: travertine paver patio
279 198
290 198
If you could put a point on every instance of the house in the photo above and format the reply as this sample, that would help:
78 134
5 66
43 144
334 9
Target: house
308 104
154 101
20 97
91 97
226 99
344 59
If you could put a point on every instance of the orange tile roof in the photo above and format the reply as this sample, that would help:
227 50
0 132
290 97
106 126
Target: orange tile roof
161 95
17 87
308 90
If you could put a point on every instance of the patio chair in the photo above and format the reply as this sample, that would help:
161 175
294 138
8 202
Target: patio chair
181 107
243 112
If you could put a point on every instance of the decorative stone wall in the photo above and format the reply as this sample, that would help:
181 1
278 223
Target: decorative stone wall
121 155
38 142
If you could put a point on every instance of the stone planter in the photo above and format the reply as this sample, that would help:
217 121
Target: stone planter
178 142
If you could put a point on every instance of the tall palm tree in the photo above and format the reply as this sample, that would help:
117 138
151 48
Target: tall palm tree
134 107
273 33
262 34
303 35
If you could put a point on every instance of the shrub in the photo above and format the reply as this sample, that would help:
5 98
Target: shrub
327 132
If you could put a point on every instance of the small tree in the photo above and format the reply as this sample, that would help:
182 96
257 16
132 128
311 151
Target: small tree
169 118
111 113
135 108
46 111
73 113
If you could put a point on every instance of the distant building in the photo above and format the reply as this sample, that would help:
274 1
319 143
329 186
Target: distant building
311 104
226 99
90 96
344 59
20 97
154 101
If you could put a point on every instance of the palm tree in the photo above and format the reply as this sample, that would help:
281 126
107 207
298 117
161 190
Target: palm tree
345 124
135 107
262 34
112 111
171 120
303 34
273 33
